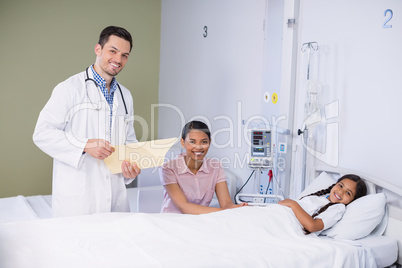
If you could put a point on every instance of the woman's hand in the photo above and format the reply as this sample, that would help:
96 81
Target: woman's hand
244 204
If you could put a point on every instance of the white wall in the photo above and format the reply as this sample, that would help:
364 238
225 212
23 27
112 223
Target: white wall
359 66
220 78
223 78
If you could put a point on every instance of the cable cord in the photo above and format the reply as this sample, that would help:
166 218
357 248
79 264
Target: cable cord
241 188
266 190
274 179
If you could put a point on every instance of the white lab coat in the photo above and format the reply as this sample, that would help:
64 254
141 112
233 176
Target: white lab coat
74 114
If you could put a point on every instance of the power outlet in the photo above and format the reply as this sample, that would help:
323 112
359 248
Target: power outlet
258 200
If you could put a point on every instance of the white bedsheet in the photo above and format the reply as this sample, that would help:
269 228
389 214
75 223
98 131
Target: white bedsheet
243 237
384 249
16 208
42 205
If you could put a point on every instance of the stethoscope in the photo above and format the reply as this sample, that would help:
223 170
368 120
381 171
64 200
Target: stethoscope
96 84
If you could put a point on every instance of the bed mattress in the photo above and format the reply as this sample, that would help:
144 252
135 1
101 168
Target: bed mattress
384 249
242 237
20 208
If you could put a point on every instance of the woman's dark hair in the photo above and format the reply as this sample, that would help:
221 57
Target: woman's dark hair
361 190
197 125
117 31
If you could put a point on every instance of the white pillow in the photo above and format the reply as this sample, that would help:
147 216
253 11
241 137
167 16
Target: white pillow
361 217
323 181
382 226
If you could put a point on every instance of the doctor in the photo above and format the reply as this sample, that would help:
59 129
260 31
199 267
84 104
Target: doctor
85 115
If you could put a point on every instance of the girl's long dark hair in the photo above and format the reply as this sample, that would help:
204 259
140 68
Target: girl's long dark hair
361 190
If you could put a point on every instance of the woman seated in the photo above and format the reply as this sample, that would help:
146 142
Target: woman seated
191 179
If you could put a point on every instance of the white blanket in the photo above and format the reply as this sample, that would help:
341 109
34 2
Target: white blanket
243 237
16 208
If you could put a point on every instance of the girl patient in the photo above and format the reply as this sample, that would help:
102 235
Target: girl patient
321 210
191 179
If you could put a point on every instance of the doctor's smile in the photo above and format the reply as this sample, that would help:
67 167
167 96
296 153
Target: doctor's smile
112 56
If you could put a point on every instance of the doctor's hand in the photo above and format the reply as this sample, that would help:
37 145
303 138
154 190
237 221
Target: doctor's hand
130 171
98 148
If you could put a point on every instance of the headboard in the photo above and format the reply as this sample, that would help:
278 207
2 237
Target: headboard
376 185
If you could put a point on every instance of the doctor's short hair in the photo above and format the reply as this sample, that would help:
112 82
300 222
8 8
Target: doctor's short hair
117 31
196 125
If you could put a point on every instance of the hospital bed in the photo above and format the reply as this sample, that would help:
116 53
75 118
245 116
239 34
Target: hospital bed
244 237
145 195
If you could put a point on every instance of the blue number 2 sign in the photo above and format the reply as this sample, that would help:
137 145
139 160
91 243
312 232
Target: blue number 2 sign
388 11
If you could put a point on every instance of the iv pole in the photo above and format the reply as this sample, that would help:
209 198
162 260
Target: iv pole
306 47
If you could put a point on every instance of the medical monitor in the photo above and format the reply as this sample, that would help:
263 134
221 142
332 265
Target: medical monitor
260 148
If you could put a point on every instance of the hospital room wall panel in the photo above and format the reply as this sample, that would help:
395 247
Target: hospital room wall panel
208 54
358 67
213 68
43 43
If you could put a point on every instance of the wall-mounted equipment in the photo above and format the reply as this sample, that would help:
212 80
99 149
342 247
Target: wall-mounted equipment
261 156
